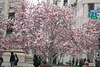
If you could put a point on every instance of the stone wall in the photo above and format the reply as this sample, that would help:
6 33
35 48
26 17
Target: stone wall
24 59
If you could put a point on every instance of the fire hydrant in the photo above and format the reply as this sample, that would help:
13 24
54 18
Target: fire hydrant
66 64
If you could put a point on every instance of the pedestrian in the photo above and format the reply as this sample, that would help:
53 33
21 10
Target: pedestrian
12 59
73 61
1 60
86 64
44 64
80 63
88 60
95 62
36 60
84 61
76 62
16 60
69 62
98 61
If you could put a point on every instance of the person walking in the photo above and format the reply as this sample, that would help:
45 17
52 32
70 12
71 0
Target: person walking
16 60
12 59
44 64
84 61
76 62
73 61
69 62
98 61
1 60
36 60
80 63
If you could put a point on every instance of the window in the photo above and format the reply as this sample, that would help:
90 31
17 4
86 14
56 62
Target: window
11 16
99 39
3 6
9 29
99 42
2 15
10 7
90 6
65 1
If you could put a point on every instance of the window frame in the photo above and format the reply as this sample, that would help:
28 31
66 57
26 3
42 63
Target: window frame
90 6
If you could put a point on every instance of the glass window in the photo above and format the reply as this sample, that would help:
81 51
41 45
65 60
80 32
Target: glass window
10 7
65 1
99 42
99 39
11 15
90 6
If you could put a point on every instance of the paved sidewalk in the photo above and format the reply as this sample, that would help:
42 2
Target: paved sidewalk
58 66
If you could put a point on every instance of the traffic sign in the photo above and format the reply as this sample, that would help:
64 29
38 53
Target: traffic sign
89 14
94 11
98 10
98 14
92 15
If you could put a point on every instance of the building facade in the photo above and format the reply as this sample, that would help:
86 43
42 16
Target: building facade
83 7
62 2
7 9
8 12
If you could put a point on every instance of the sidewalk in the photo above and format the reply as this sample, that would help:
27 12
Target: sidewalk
7 64
58 66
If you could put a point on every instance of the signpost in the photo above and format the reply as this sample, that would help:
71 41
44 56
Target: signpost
94 14
94 11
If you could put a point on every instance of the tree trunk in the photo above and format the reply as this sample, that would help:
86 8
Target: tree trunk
50 59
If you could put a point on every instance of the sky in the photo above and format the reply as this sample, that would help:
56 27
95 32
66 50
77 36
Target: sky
33 1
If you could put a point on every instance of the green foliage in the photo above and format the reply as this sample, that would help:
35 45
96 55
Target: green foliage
73 66
58 65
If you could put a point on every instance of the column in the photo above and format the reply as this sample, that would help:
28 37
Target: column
85 12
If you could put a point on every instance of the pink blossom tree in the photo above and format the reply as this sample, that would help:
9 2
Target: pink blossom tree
1 25
44 27
1 20
54 31
47 28
86 37
15 40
